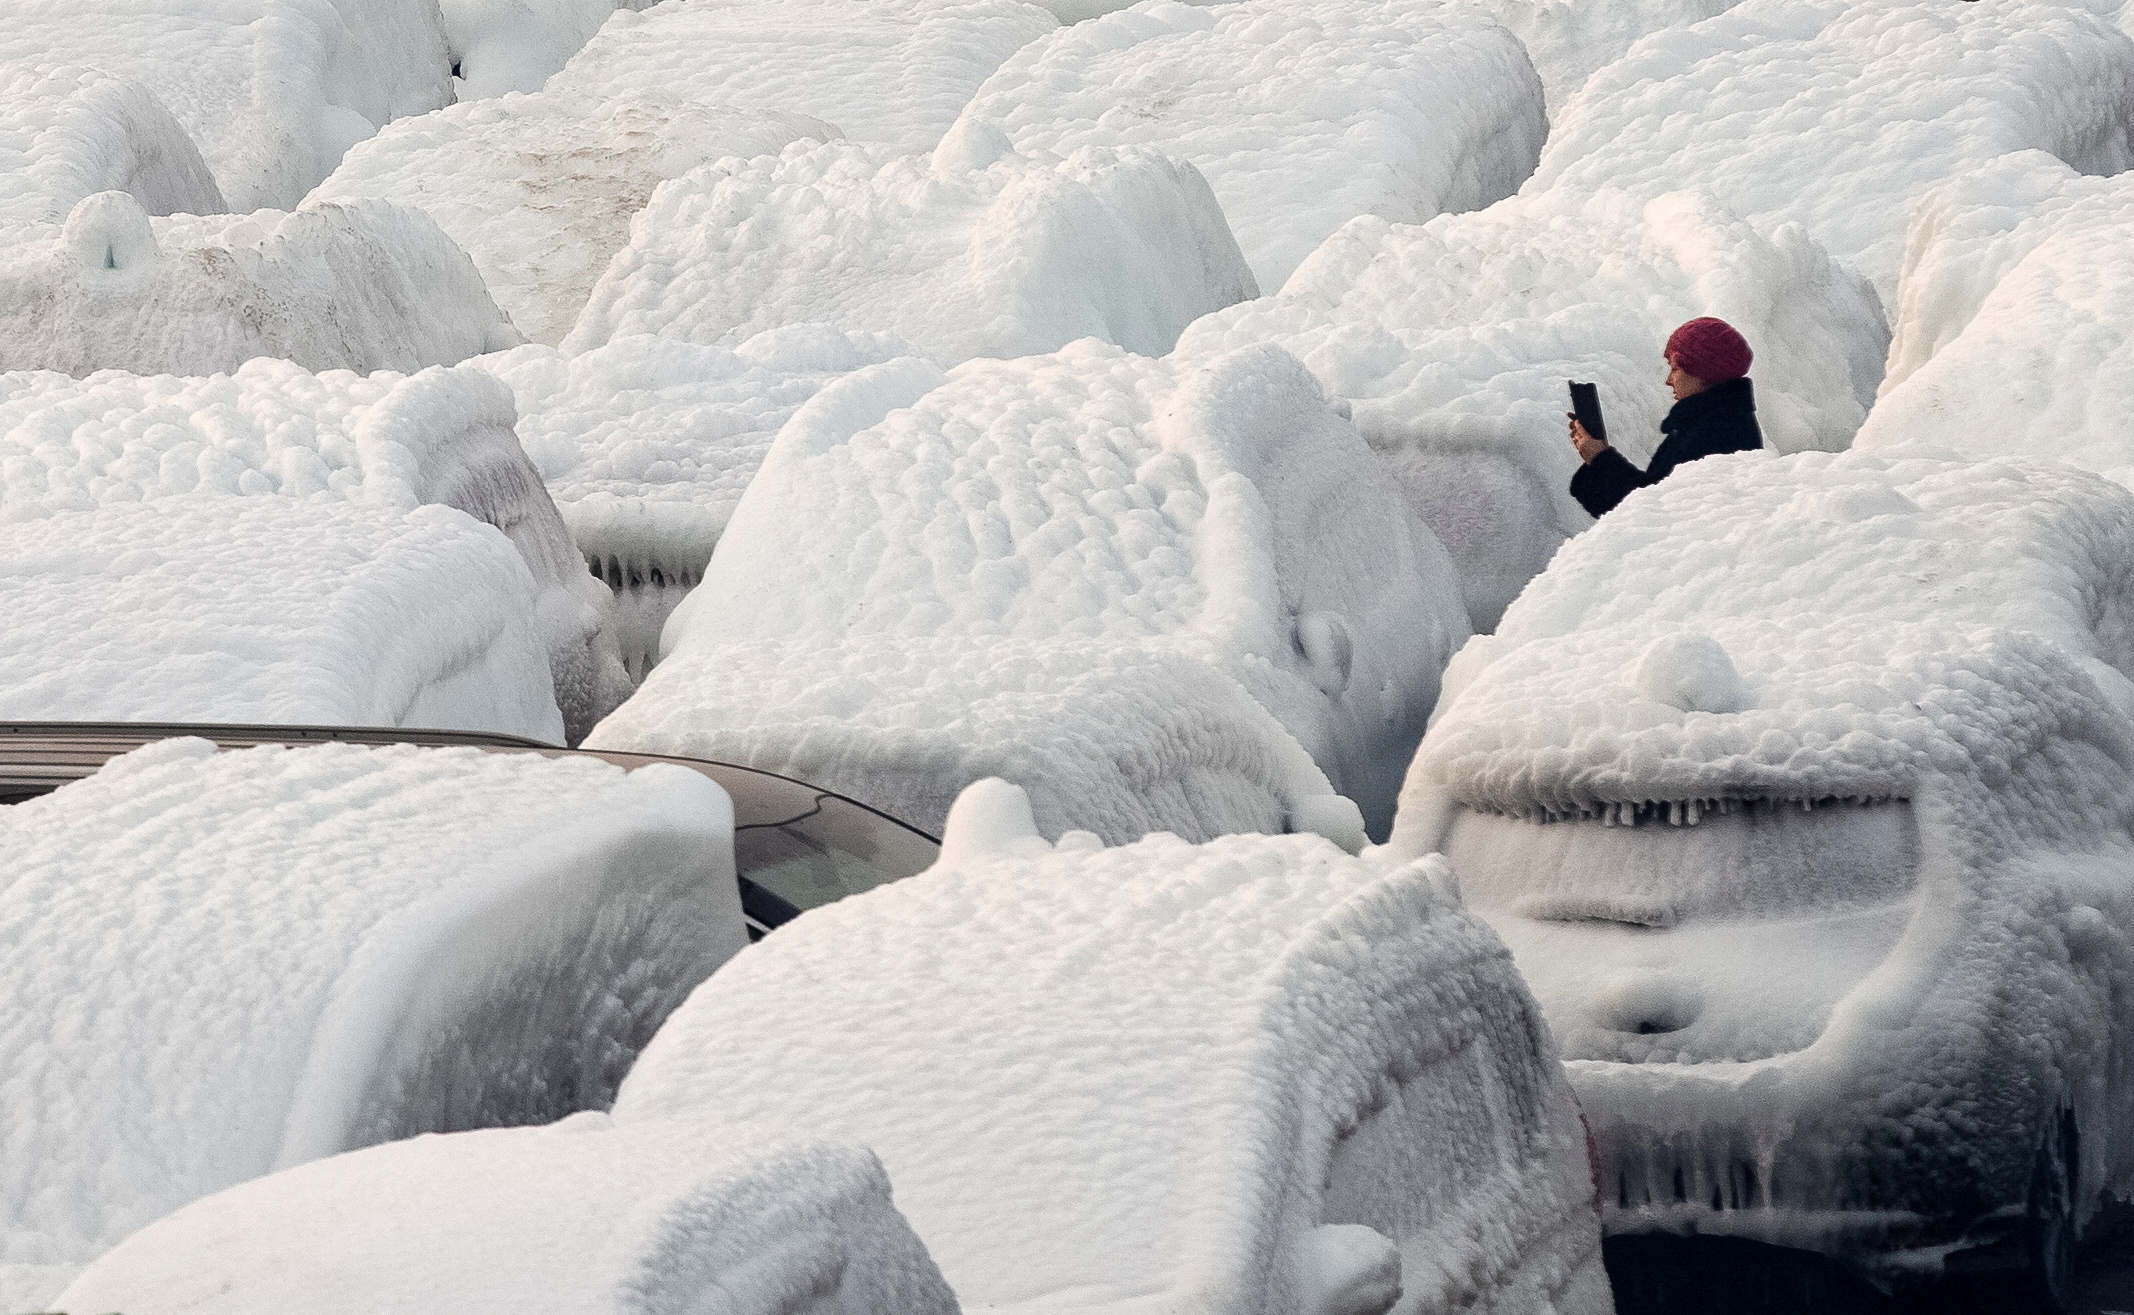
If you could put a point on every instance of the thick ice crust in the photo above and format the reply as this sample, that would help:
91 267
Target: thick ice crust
271 91
1568 40
441 436
278 610
540 189
975 250
1837 115
2015 319
362 287
576 1218
1149 1076
1215 513
1453 340
1301 115
1848 749
324 948
891 71
69 133
502 46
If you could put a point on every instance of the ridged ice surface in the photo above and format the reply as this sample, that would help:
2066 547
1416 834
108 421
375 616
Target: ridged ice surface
69 133
1569 40
221 964
1145 1077
540 189
1301 116
2015 319
1453 340
975 250
249 610
892 71
441 436
1215 514
1837 115
577 1218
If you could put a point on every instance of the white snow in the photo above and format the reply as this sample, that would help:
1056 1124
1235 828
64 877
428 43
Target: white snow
1094 573
271 91
1231 1077
362 287
284 610
647 443
1837 115
1800 787
1453 341
502 46
975 250
69 133
576 1218
1302 114
2015 319
891 71
1569 40
540 189
441 436
222 964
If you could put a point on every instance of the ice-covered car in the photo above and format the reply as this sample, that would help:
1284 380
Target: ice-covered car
1249 1077
1801 789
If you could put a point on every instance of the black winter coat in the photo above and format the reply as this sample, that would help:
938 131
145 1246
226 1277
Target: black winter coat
1722 418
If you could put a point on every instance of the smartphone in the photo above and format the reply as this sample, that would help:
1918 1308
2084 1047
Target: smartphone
1586 405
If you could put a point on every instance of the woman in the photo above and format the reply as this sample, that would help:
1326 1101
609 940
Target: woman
1714 412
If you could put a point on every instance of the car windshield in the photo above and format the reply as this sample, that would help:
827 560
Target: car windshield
796 847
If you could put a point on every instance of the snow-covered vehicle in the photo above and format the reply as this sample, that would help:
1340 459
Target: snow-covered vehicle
1251 1076
1801 789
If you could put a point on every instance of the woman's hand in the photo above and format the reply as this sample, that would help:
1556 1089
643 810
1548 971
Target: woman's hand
1588 446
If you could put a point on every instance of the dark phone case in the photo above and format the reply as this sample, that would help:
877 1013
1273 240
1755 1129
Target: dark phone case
1586 405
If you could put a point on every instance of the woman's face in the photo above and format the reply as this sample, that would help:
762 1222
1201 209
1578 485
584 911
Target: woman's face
1681 382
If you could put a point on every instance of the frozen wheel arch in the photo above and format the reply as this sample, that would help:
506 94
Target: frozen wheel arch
1136 585
1800 787
70 133
218 964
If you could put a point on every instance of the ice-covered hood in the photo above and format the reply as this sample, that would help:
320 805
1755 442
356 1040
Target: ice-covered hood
1800 628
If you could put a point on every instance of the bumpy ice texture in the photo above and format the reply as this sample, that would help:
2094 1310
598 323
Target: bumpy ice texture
647 443
1838 115
222 964
296 611
1817 866
359 287
1232 1077
270 91
975 250
1012 569
502 46
2015 319
69 133
1569 39
540 189
441 436
1301 115
891 71
1452 340
577 1218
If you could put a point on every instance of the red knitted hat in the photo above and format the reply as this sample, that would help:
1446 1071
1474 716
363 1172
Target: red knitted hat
1709 349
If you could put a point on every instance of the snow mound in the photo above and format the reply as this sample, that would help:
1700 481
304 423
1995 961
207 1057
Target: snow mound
324 948
892 71
69 133
540 189
1453 340
279 610
647 443
2016 319
576 1218
271 91
359 287
1799 788
1222 1078
973 251
1301 115
502 46
1569 40
1837 115
441 436
1012 520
